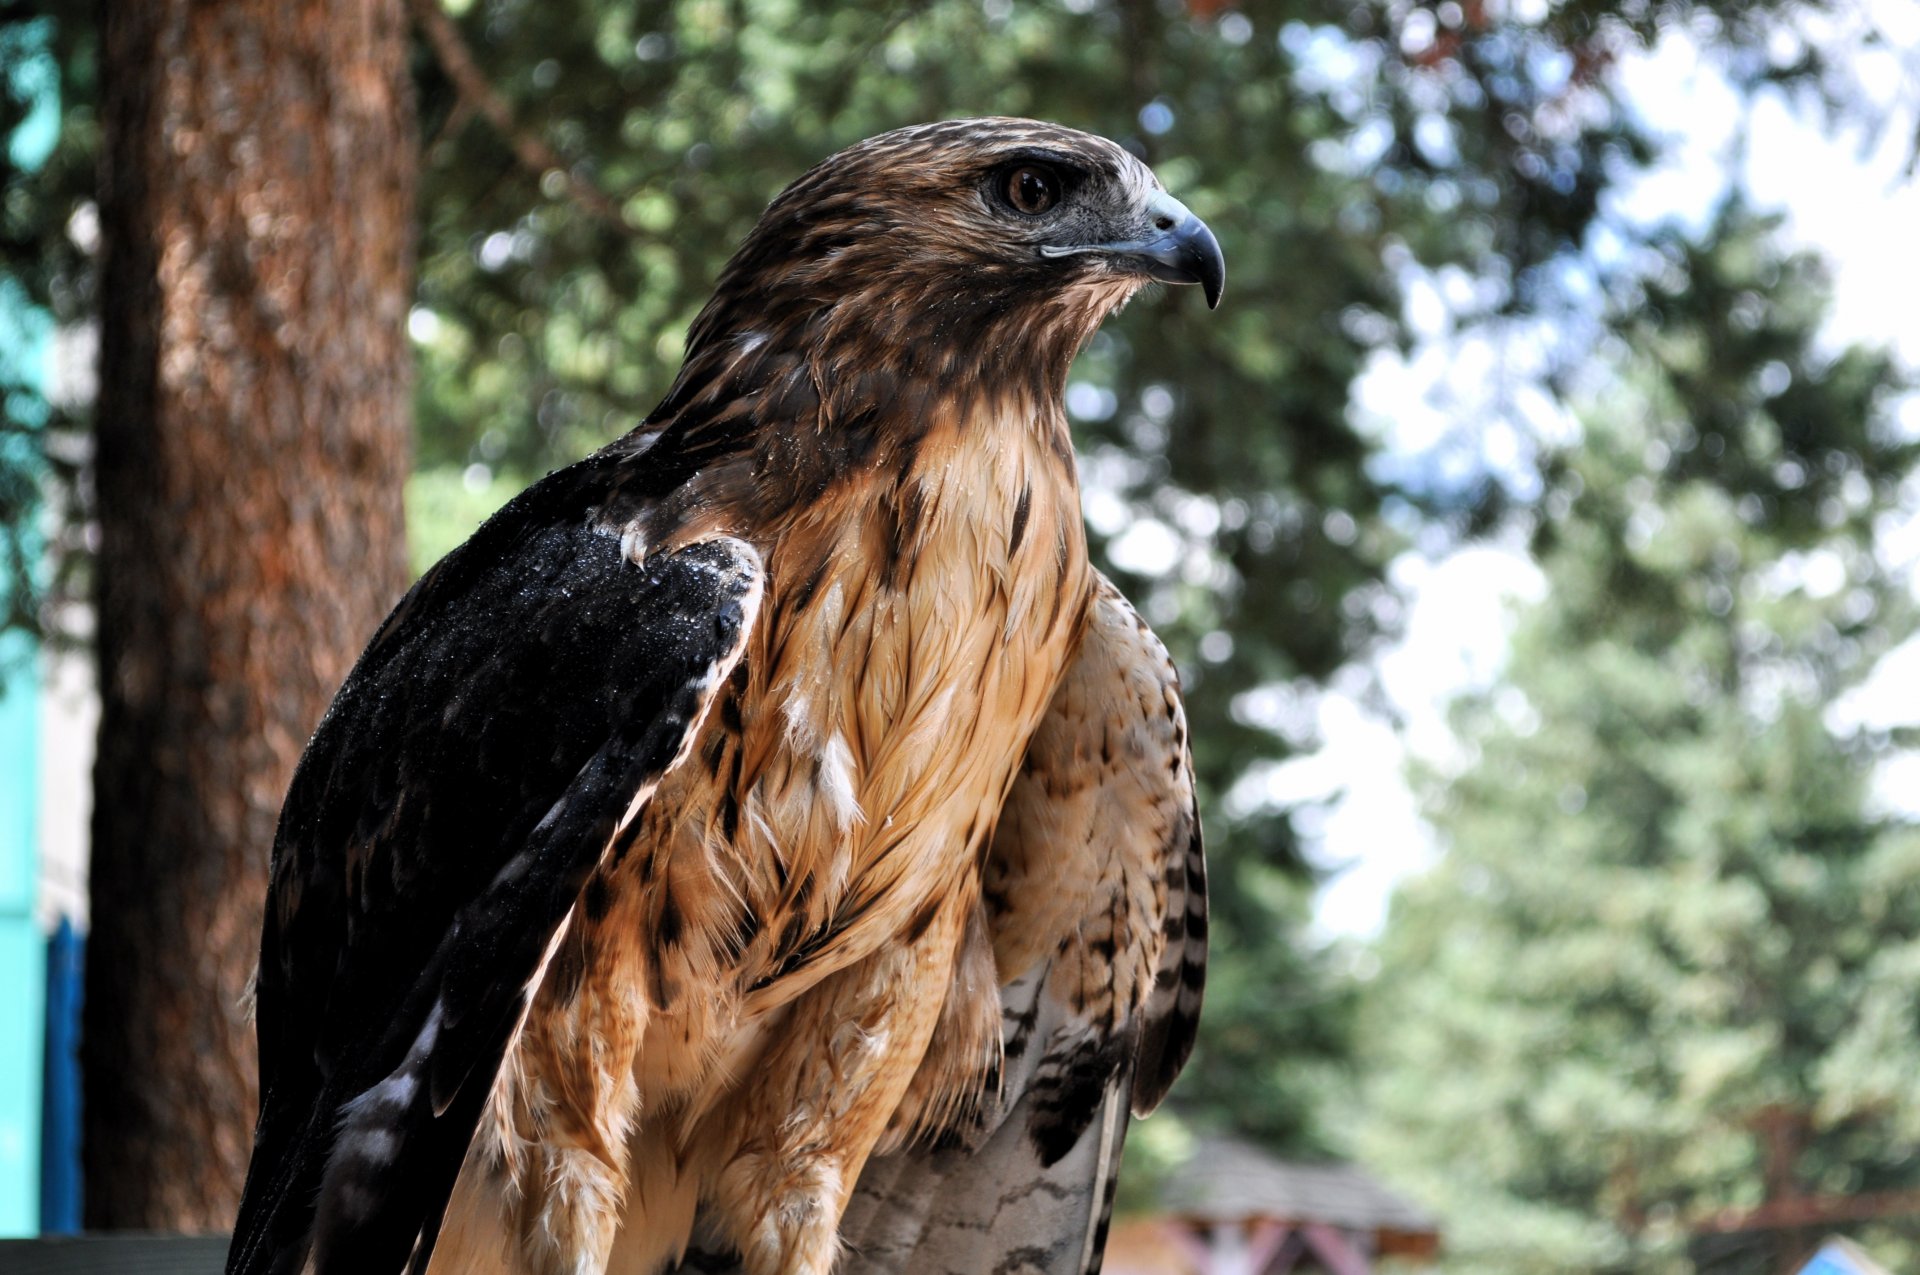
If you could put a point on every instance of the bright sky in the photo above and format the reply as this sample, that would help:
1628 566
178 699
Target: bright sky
1847 196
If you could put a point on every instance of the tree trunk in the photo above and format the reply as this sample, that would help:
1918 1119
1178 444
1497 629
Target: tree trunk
257 209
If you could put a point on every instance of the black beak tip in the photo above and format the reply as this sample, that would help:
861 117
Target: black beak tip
1209 264
1188 253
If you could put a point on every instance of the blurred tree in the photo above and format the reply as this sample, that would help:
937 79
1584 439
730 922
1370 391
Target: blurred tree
1654 1011
256 214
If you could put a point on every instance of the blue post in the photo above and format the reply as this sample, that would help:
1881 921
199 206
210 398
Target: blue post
60 1113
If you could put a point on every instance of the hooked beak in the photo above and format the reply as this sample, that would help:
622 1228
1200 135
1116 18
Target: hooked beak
1180 249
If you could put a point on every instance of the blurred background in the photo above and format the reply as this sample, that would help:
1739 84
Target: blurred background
1536 526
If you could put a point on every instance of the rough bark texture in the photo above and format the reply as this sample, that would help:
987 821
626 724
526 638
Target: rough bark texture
257 204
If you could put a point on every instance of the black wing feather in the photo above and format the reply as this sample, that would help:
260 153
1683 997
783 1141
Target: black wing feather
469 775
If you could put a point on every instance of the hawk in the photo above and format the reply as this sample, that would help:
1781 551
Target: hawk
767 844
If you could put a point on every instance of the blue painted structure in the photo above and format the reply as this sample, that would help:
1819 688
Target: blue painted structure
23 948
60 1178
31 75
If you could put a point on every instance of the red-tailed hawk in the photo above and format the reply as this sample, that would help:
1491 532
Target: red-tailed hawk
767 844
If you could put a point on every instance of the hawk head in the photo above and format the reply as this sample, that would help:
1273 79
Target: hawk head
969 239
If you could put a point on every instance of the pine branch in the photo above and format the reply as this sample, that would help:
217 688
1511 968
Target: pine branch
477 96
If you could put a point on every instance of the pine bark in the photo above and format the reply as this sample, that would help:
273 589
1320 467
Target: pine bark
257 214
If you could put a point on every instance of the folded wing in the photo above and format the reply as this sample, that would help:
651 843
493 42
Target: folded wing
511 716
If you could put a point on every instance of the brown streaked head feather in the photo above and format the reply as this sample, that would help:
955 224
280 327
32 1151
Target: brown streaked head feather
890 284
901 250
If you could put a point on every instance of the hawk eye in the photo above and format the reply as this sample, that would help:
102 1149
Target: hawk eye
1033 189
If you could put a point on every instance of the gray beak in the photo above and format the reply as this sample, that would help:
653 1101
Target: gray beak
1179 250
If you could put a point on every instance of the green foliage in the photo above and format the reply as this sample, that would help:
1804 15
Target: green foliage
1670 923
45 154
444 505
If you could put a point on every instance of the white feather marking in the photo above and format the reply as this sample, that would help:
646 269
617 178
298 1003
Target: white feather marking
249 1003
633 543
1113 1118
762 826
837 783
832 607
373 1145
638 800
396 1091
802 732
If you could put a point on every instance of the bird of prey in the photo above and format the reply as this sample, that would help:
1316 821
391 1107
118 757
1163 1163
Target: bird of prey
767 844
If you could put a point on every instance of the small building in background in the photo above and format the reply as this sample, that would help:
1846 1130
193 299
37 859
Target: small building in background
1235 1210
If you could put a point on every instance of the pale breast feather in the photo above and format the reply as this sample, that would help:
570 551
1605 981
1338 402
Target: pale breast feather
1096 903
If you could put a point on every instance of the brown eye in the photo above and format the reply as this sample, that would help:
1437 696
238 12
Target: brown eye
1032 189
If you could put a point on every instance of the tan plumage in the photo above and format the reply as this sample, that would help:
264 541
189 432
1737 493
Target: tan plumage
923 857
1095 895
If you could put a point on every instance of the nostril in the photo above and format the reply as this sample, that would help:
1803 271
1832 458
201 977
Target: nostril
1163 222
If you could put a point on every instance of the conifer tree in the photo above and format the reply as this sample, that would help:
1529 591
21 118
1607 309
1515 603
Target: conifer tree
1655 1007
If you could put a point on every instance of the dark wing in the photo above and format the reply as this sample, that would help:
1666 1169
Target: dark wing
508 719
1096 896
